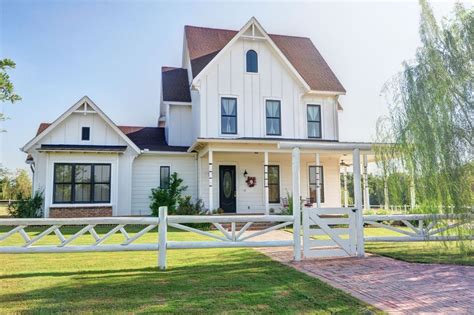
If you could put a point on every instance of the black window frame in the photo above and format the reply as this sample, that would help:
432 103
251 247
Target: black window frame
313 200
248 63
162 186
267 117
277 185
73 183
229 116
314 121
88 133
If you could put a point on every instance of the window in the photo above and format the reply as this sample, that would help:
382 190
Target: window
81 183
86 133
273 113
314 121
273 183
229 115
312 182
252 61
164 177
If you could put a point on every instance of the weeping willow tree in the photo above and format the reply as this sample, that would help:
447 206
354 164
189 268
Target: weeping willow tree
431 115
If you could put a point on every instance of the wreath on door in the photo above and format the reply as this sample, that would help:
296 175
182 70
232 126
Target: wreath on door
251 181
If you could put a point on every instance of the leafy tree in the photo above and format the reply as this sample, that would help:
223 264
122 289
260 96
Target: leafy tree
29 207
7 93
431 114
432 111
22 184
12 186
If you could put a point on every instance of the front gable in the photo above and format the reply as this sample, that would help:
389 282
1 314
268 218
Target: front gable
67 130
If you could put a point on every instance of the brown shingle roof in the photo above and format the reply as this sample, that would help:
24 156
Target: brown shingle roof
205 43
175 84
151 138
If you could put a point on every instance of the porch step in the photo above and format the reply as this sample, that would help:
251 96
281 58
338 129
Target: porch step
254 227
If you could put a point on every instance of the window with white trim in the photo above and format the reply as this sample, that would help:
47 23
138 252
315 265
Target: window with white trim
314 121
273 117
228 115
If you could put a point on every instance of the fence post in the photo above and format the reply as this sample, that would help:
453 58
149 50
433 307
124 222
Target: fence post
295 161
358 202
162 231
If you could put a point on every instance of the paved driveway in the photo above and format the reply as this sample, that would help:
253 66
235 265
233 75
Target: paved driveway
394 286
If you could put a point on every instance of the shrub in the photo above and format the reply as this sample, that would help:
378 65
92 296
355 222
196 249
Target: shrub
31 207
168 196
187 207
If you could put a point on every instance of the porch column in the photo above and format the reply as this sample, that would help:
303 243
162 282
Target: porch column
346 193
318 182
385 193
366 185
265 182
295 163
358 203
211 199
412 193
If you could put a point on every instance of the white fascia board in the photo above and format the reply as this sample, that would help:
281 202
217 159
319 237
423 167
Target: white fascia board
254 21
67 113
177 103
167 153
326 92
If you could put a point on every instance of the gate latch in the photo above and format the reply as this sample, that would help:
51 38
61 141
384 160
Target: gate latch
354 210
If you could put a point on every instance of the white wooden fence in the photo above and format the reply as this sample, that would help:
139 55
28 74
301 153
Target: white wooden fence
330 232
231 237
428 227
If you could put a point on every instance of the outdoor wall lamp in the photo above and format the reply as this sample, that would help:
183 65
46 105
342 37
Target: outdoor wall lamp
246 174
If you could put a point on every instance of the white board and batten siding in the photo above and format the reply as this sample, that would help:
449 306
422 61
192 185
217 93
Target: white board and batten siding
180 125
146 175
227 77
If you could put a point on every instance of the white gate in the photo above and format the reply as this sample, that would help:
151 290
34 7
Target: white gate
329 232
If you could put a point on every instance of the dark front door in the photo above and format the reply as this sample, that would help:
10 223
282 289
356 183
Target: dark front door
227 199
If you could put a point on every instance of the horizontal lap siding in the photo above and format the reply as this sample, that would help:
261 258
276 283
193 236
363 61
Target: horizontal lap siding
146 175
251 200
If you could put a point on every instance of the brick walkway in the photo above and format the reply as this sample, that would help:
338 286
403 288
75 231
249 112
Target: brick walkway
391 285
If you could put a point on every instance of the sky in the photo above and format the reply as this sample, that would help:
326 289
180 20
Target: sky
112 51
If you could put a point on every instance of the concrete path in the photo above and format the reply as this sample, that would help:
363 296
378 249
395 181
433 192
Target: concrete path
391 285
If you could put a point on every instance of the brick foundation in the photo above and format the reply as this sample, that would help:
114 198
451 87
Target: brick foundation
80 212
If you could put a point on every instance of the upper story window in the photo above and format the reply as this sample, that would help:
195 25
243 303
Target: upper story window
228 115
252 61
86 133
314 121
164 177
273 114
81 183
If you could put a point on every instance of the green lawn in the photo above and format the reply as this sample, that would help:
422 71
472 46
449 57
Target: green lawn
197 281
4 210
422 252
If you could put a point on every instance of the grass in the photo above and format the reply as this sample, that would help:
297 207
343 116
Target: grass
421 252
4 210
197 281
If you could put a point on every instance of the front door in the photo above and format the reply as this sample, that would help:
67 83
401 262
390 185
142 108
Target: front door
227 185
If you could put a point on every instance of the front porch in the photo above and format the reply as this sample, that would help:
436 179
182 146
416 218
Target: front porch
226 167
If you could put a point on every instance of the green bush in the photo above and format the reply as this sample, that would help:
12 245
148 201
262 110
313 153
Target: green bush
167 197
31 207
187 207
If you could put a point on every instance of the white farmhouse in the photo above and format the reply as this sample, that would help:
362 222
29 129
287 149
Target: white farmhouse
229 118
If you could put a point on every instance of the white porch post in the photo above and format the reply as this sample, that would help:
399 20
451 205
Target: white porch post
318 182
412 193
358 203
385 193
211 199
366 184
346 193
295 163
265 182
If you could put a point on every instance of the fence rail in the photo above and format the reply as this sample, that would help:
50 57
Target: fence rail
222 238
428 227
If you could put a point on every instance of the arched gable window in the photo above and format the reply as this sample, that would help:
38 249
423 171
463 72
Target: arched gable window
252 61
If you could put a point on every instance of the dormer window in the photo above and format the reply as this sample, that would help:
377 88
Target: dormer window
252 61
86 134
